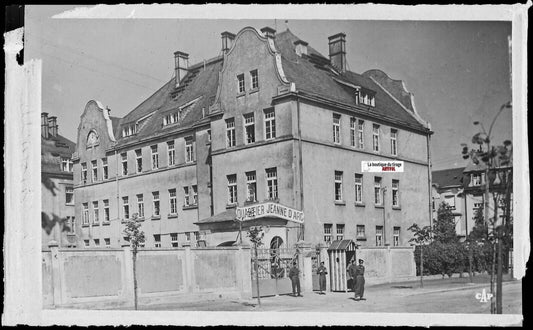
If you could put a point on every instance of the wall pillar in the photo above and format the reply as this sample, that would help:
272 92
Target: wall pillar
389 264
128 290
56 274
244 271
306 266
189 271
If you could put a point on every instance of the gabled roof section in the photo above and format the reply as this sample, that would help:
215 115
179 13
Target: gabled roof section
52 149
313 74
198 89
451 177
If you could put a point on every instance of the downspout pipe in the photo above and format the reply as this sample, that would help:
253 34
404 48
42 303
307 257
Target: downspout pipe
428 140
300 162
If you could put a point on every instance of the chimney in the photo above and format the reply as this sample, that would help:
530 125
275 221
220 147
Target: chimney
181 64
44 125
337 51
52 123
301 47
227 41
269 32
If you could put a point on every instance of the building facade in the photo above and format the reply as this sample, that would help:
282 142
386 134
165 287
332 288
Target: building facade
271 125
57 191
463 189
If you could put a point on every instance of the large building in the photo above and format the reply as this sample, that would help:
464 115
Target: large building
57 192
463 190
271 126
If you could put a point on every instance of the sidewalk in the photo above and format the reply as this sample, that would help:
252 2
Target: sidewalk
380 298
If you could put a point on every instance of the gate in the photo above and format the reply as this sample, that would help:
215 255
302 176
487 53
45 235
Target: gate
315 263
273 269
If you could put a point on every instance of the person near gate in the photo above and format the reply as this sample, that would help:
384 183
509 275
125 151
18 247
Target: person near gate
351 272
294 275
322 272
359 281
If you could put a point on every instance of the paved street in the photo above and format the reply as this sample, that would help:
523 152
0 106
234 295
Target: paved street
437 296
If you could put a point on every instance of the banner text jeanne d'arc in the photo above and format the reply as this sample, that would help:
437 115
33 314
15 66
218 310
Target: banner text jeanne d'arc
269 209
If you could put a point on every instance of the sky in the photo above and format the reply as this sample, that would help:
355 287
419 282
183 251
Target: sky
458 71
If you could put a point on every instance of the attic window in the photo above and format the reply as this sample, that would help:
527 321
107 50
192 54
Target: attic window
129 130
366 98
171 118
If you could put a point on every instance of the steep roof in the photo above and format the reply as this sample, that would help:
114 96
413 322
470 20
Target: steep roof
52 149
450 177
312 74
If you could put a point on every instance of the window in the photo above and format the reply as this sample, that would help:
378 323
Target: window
107 242
171 118
379 235
94 166
125 207
396 236
155 157
249 128
173 202
174 239
254 79
71 221
360 233
240 83
96 218
155 198
69 195
86 242
171 153
140 205
186 196
157 240
124 157
450 200
208 135
195 194
352 131
106 210
375 137
96 242
84 172
129 130
358 188
336 128
251 187
270 124
360 133
139 160
377 190
327 233
196 236
367 99
189 150
393 142
232 189
340 232
396 193
85 214
476 179
230 132
66 164
187 236
105 171
338 186
272 183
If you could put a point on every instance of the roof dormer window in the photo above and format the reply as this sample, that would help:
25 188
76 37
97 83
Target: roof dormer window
366 98
129 130
171 118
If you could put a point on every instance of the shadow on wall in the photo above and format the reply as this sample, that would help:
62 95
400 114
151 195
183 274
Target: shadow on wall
48 222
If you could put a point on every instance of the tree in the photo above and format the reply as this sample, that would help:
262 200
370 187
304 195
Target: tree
444 227
421 236
135 236
256 234
494 159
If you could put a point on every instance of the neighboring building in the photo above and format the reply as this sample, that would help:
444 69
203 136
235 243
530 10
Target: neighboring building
57 193
464 190
271 120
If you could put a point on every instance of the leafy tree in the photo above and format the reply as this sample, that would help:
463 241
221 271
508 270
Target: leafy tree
421 236
135 236
444 226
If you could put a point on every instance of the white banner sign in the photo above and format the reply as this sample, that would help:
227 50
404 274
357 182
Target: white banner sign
382 166
269 209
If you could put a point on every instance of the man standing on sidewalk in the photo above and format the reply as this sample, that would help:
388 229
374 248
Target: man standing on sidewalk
294 273
359 281
351 272
322 272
